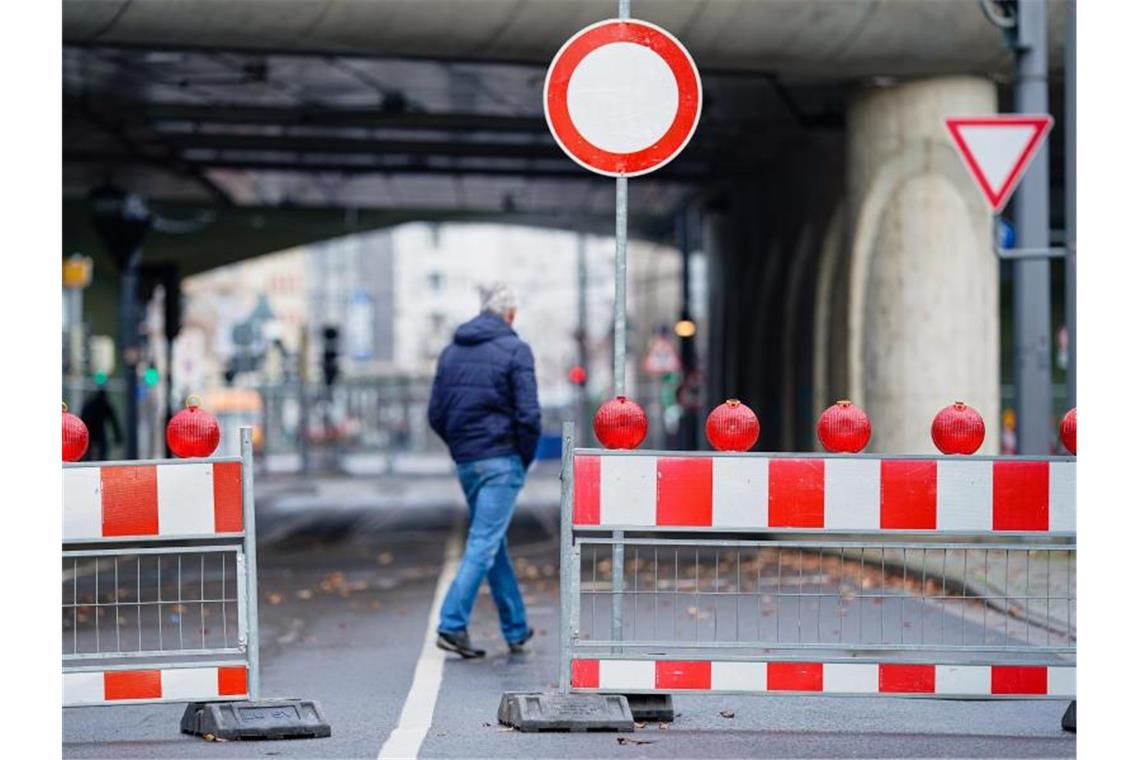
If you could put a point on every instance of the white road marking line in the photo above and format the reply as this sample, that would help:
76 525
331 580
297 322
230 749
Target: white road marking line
419 705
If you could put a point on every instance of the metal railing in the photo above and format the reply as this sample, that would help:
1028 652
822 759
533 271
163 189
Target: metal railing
850 574
159 599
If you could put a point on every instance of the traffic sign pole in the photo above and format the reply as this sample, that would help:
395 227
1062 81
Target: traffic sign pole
621 219
1032 356
622 222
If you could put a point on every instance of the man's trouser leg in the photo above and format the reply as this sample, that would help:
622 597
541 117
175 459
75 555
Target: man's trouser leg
491 486
508 598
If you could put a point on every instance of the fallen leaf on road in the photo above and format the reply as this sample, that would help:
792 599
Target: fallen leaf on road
384 558
304 593
727 714
639 725
623 740
275 599
662 726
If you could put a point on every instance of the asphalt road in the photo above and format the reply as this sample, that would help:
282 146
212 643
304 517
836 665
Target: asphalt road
348 569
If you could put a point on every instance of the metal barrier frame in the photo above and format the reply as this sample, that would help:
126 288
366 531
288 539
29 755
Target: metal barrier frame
243 544
960 677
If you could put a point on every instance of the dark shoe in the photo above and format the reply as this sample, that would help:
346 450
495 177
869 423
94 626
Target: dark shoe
517 646
460 643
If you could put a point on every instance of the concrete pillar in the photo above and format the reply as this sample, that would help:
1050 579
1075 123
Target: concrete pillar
923 287
829 317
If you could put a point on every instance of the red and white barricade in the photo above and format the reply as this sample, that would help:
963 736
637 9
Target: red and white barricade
903 576
159 581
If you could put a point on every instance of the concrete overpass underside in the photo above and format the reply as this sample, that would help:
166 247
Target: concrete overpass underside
848 254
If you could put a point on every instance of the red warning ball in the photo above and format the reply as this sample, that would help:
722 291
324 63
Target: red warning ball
75 437
620 424
1069 430
843 428
732 426
958 429
193 432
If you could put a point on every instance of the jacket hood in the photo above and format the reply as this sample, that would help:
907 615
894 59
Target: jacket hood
482 328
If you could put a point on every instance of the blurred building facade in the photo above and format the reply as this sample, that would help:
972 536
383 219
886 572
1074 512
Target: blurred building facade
396 297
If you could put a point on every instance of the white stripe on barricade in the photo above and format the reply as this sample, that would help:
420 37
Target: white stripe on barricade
856 493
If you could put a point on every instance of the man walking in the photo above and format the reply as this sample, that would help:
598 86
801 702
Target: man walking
484 405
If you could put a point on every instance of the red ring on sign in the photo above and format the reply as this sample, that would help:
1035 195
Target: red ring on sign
668 145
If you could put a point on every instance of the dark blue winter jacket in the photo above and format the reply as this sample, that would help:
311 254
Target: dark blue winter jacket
484 402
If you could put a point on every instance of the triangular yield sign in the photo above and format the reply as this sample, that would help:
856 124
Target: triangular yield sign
997 150
662 358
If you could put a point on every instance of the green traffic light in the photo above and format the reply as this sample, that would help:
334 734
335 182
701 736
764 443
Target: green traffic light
100 378
150 377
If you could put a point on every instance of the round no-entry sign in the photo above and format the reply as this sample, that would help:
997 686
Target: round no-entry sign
622 98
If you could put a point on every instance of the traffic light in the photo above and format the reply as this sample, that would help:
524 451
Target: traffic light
330 366
150 376
577 375
101 349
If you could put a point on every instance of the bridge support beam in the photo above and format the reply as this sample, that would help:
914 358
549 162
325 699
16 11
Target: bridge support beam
922 307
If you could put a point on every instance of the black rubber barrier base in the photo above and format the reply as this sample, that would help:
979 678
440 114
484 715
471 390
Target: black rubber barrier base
1069 719
651 707
263 719
536 711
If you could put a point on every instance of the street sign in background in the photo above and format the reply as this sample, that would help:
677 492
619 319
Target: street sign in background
997 150
661 358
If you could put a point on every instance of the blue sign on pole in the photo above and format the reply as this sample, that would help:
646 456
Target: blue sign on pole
361 312
1007 236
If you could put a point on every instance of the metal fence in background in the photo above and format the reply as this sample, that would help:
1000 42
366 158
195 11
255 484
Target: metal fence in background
844 575
159 581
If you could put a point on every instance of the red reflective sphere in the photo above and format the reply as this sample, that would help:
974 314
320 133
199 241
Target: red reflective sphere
620 424
843 427
732 426
193 432
958 429
1069 430
75 437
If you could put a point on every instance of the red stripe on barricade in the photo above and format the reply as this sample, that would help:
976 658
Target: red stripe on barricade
130 500
1021 495
911 679
795 676
227 497
232 681
585 674
679 674
1019 679
133 684
908 494
795 493
587 490
684 491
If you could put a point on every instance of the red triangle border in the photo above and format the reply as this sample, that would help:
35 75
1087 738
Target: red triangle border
997 199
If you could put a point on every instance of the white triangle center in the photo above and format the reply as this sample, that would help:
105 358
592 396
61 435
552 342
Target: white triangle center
996 149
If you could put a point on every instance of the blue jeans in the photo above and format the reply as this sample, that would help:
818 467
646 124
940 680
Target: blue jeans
491 486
